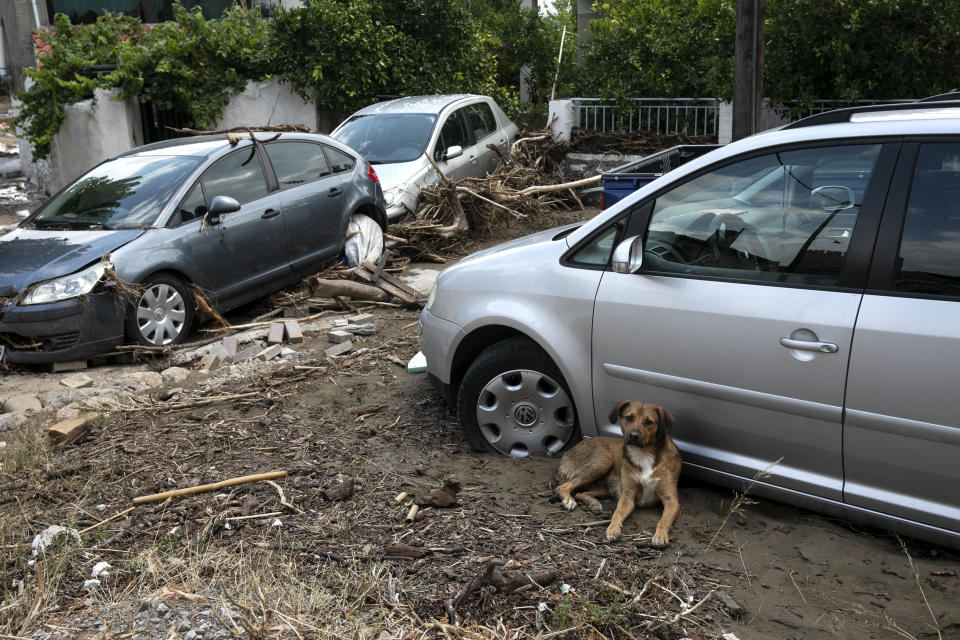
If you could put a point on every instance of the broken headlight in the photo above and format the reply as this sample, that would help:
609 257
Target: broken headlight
71 286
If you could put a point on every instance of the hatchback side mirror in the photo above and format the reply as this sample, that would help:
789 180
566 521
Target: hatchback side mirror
219 206
453 152
628 256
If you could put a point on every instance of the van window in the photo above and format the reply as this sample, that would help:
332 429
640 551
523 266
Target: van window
929 256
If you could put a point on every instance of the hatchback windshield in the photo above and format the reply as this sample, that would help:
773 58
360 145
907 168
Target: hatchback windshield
123 193
388 137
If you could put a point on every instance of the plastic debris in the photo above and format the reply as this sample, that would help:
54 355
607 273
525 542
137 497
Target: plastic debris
46 537
101 569
90 585
418 363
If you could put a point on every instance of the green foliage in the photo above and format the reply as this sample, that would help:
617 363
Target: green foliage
660 48
343 55
853 49
844 49
527 44
60 80
189 64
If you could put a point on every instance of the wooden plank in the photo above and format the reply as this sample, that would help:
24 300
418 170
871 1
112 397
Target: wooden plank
71 430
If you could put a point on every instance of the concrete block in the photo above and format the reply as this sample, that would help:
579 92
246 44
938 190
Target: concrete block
340 322
337 336
230 344
209 362
221 352
293 331
270 352
338 349
360 329
246 354
275 335
71 430
71 365
360 318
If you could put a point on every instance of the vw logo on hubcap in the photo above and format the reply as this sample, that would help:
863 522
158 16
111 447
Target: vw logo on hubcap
525 415
158 313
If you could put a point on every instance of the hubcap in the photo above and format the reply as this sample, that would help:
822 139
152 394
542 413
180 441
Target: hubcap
161 314
523 412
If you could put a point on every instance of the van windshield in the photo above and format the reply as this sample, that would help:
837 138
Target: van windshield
125 193
386 138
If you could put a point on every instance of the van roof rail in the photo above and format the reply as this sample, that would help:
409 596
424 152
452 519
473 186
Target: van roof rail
844 115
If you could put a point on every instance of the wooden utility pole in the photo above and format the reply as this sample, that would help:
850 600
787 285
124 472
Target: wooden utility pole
748 67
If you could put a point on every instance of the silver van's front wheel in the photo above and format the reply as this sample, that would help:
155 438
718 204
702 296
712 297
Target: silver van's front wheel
513 400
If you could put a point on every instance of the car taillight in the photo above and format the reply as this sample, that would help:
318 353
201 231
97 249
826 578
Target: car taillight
602 203
372 173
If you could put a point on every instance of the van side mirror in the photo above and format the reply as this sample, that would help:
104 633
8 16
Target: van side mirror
833 198
628 256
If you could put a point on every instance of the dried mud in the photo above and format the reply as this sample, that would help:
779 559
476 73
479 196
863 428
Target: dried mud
794 573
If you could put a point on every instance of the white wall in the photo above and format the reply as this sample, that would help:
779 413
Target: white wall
267 104
96 129
92 131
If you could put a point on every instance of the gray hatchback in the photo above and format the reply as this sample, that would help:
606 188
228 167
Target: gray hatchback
234 220
792 298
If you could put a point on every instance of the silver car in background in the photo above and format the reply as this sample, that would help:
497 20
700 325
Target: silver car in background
397 136
792 298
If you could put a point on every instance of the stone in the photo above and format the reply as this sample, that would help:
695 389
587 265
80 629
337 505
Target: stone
337 336
77 381
20 403
339 349
142 380
71 411
174 375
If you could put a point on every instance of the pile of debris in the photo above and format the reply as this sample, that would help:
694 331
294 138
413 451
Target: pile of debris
629 143
527 184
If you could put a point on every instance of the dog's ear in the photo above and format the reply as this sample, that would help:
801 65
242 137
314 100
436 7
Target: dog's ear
615 413
666 421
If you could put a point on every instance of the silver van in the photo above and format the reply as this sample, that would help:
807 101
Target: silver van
792 297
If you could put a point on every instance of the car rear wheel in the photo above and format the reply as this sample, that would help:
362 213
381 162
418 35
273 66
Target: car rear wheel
514 400
163 313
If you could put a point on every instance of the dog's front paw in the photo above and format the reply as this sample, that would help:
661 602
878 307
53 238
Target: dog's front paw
660 540
613 533
570 504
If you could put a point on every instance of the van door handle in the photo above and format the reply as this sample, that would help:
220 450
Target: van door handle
334 192
270 213
804 345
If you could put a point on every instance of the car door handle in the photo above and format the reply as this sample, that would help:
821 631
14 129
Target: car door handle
334 192
804 345
270 213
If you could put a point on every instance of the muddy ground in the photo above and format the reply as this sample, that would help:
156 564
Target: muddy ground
327 552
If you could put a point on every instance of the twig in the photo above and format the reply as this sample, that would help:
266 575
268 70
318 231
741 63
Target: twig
916 576
203 488
103 522
283 498
254 516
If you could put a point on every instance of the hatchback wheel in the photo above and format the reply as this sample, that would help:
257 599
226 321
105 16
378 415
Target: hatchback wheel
163 314
514 400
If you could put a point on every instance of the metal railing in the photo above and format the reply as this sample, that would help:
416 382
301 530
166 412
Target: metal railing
690 116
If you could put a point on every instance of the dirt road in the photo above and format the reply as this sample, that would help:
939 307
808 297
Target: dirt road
326 552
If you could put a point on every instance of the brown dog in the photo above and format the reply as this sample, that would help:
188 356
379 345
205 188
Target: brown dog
638 470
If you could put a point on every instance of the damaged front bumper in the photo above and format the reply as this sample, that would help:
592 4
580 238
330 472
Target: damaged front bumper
72 329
